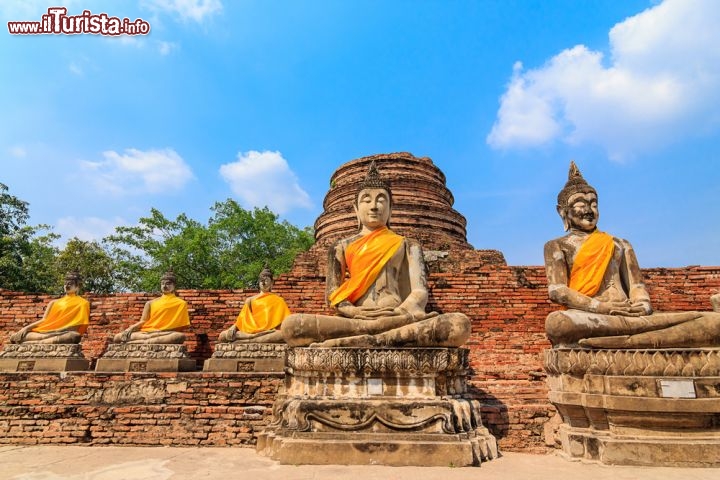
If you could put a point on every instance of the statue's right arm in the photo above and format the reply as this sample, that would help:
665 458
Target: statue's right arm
336 269
135 326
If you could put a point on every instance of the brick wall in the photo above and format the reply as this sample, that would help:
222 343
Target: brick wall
507 305
176 409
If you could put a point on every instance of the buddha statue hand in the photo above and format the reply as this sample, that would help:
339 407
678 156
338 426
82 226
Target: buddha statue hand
622 308
19 336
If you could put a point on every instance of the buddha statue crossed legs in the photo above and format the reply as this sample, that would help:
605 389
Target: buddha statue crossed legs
596 277
377 283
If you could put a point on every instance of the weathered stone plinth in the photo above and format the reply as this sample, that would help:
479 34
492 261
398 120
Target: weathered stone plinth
638 407
135 357
38 357
247 357
377 406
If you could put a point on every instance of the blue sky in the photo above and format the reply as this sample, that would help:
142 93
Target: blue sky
262 100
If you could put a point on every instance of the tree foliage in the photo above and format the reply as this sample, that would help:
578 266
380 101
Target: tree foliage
229 252
26 256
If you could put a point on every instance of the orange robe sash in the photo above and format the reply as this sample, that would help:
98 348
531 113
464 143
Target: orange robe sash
365 258
264 312
67 312
591 262
167 313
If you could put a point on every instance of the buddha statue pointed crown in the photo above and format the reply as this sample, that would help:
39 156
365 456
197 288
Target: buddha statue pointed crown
266 272
373 180
575 184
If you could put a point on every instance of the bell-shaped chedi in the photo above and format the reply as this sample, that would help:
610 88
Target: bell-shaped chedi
421 203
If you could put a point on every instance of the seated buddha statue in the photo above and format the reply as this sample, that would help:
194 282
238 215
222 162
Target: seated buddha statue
596 277
65 319
162 320
376 282
260 316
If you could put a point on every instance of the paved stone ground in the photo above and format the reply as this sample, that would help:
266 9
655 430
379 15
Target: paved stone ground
153 463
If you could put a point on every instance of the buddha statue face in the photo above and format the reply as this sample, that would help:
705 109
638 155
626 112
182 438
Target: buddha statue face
373 207
265 282
167 285
580 212
71 285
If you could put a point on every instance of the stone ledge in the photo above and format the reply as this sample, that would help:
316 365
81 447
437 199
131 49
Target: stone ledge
138 350
37 350
703 362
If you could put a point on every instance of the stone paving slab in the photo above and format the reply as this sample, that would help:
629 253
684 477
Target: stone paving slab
158 463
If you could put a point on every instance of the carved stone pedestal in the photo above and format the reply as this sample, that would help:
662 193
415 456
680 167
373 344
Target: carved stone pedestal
638 407
247 357
38 357
399 407
136 357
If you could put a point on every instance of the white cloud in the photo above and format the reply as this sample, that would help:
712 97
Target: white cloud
661 83
87 228
264 179
17 151
165 48
75 69
196 10
136 171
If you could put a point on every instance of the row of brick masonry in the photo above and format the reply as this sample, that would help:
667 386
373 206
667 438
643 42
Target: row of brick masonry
507 306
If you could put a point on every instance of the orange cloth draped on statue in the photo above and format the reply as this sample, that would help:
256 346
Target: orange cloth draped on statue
264 312
365 259
68 311
591 262
167 313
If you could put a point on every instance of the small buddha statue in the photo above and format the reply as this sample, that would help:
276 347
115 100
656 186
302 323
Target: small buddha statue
260 316
376 281
65 319
596 278
163 319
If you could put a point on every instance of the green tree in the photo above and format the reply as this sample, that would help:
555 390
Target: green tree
91 261
227 253
26 256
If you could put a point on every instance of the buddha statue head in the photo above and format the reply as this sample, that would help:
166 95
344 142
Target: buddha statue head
265 279
167 282
72 282
577 203
373 201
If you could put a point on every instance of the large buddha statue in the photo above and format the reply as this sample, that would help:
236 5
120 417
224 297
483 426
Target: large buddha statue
260 316
596 277
65 319
162 320
376 281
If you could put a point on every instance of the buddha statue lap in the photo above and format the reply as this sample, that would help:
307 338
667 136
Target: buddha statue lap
596 277
377 283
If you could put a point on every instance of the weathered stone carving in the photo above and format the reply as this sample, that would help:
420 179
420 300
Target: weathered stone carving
145 351
597 278
632 386
65 320
247 357
162 320
260 316
408 405
377 283
26 350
